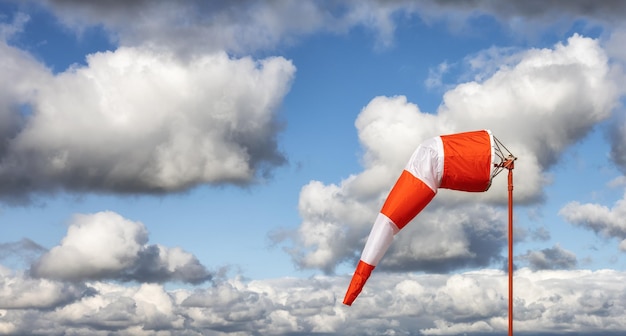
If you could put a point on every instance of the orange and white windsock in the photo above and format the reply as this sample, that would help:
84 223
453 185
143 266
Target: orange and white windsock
463 161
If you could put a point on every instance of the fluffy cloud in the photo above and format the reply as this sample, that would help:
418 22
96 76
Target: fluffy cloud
605 221
138 121
238 27
544 103
538 106
18 291
553 258
21 252
107 246
25 73
546 302
247 25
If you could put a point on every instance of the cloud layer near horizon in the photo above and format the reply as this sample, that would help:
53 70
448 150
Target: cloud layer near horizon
549 302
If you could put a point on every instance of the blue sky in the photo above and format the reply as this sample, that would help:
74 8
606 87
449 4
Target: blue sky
214 168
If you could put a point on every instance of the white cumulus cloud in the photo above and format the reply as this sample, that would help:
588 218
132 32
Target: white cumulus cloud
105 245
139 121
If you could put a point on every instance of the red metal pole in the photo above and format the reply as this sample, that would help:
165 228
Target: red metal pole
509 165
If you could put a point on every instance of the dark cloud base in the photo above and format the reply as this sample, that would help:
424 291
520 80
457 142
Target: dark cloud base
565 333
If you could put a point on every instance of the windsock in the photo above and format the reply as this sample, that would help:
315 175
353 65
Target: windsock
463 161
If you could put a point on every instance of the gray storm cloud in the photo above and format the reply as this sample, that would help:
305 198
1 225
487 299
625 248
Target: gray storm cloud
245 25
105 245
539 8
234 26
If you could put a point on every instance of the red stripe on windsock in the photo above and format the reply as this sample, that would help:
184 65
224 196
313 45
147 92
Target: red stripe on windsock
361 274
467 161
406 199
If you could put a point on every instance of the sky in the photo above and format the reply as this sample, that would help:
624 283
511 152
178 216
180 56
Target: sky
214 168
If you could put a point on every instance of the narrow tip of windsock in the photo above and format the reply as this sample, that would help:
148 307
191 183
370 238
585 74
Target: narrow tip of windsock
360 276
